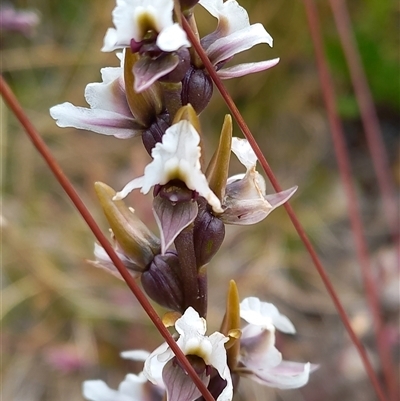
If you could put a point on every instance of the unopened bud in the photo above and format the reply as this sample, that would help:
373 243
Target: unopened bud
197 89
162 282
156 131
208 235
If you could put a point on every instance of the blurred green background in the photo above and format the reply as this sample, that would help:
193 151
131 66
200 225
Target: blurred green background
63 321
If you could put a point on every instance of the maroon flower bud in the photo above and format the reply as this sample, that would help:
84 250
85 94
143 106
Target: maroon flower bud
208 234
162 282
197 89
154 134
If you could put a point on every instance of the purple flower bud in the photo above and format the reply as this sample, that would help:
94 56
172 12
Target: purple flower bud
154 134
208 234
162 282
197 89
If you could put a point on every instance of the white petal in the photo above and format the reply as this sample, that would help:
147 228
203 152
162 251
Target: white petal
111 41
108 96
100 121
190 323
287 375
247 68
172 38
219 361
135 355
231 16
132 386
130 186
226 47
155 363
244 152
97 390
128 18
264 314
192 340
123 18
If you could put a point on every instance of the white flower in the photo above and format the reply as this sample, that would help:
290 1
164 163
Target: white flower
193 342
262 361
109 112
131 389
245 199
233 35
137 19
177 157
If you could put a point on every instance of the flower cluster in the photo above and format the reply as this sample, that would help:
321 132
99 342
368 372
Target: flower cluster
157 93
257 358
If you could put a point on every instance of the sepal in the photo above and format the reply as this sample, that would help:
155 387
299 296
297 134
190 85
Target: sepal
231 325
218 168
147 104
134 238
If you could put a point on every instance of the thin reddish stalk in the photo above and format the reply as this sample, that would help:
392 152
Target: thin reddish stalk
38 142
302 234
342 156
368 115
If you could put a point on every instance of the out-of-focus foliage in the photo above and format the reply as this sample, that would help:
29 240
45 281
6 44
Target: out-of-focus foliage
379 54
64 321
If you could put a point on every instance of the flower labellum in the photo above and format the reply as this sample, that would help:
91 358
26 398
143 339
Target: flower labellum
177 157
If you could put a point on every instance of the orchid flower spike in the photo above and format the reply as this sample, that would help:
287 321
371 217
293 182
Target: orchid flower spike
233 35
245 200
177 157
206 353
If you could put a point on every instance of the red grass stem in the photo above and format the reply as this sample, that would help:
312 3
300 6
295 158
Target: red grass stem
40 145
303 236
342 156
368 115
